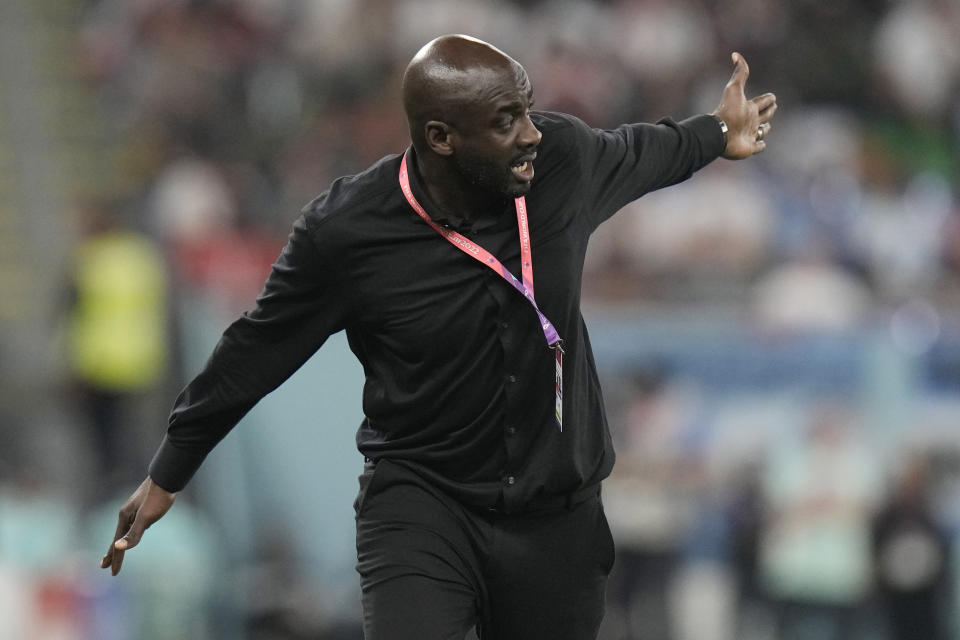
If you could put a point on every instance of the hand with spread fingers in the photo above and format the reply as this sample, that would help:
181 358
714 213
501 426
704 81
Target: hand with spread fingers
748 121
147 505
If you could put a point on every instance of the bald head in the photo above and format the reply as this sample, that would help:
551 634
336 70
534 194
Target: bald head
448 75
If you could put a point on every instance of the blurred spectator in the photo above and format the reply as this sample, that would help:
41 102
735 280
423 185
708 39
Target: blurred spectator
812 294
666 45
650 500
902 233
815 560
191 201
912 559
117 334
195 213
746 514
916 54
719 226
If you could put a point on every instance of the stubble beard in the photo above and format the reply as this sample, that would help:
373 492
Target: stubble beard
490 177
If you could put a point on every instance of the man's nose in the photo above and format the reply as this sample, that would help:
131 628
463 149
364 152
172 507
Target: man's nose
530 136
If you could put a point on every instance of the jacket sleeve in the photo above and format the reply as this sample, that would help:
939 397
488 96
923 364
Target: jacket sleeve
622 164
299 308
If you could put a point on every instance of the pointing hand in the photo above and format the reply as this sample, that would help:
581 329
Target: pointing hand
147 505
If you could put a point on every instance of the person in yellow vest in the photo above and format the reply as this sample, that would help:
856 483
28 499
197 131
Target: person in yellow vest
117 328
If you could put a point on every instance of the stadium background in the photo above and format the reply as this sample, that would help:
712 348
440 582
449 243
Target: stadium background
778 338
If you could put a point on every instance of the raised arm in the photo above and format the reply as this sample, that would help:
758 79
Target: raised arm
625 163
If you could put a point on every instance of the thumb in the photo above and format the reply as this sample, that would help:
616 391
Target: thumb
741 70
132 537
154 505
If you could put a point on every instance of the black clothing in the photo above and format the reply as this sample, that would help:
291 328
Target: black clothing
431 567
912 556
459 379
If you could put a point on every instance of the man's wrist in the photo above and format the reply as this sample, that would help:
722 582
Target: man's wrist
171 468
723 128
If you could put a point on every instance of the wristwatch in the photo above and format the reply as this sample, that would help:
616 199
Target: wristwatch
723 130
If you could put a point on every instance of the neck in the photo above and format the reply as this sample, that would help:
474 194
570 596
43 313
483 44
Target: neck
452 193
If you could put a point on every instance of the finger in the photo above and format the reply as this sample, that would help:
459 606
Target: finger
132 536
741 70
123 524
767 114
121 545
108 557
117 562
128 541
766 101
765 110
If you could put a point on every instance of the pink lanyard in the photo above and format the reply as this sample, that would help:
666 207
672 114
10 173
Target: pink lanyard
480 254
483 256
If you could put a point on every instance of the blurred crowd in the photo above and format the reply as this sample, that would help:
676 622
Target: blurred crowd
236 113
778 336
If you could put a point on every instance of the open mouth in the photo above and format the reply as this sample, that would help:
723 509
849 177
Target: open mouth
523 170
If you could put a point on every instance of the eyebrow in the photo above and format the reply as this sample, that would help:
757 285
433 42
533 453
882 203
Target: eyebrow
516 105
513 105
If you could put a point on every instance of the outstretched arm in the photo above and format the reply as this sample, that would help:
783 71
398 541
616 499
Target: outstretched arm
748 121
299 307
147 505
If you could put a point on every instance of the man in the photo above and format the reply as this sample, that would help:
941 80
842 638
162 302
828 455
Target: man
116 320
485 435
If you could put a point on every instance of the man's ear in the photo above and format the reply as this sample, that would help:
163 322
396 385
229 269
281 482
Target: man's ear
438 135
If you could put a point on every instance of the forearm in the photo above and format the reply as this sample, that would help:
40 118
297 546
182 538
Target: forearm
298 309
635 159
238 374
688 147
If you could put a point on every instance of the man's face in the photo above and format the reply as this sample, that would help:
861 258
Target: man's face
496 141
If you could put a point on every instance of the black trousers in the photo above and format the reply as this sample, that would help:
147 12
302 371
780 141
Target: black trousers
431 568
